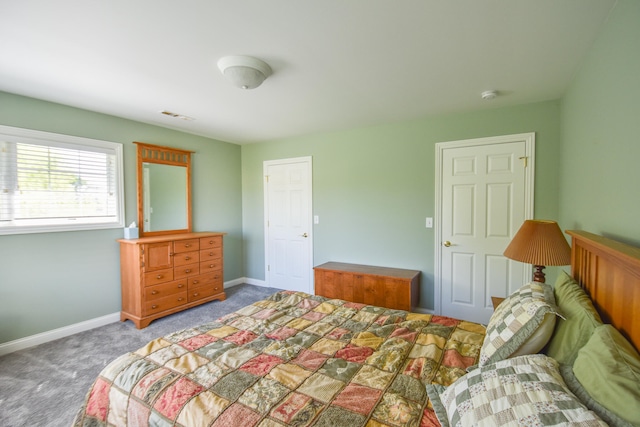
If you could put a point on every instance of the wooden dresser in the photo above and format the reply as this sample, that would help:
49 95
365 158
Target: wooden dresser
162 275
382 286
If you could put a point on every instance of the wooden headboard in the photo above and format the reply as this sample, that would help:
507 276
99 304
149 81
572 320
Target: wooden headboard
610 273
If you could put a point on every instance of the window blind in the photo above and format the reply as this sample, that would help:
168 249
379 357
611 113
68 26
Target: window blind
50 182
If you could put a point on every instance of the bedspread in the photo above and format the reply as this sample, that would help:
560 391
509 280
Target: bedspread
291 359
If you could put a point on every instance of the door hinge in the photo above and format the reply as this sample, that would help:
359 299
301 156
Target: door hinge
525 160
268 268
267 177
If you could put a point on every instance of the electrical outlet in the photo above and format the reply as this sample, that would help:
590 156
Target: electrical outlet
429 223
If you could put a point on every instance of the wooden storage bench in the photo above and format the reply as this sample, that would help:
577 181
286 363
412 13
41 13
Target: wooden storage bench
382 286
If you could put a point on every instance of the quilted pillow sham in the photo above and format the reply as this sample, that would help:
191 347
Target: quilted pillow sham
521 324
579 320
524 390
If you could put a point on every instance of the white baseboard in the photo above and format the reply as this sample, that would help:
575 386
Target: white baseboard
44 337
423 310
65 331
255 282
248 281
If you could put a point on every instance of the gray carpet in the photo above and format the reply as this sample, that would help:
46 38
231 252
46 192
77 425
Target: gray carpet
46 385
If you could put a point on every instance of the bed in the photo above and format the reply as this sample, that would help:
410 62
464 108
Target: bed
299 359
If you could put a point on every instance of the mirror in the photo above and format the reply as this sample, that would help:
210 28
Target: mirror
164 190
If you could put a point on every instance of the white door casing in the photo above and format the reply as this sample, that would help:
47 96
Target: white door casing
288 224
484 191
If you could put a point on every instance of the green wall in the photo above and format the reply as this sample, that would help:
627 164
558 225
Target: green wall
374 187
600 173
51 280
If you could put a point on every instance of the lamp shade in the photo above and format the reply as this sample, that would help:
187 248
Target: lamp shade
539 242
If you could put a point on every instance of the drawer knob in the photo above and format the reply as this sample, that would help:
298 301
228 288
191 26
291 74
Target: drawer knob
181 285
195 282
188 270
159 276
210 253
180 299
188 245
211 242
210 265
196 294
154 307
154 292
187 258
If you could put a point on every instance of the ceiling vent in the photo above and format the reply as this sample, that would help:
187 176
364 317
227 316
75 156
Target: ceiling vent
176 116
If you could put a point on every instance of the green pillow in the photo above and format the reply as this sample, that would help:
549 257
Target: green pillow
578 390
580 319
608 367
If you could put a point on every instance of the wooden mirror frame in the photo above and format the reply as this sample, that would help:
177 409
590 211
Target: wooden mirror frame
149 153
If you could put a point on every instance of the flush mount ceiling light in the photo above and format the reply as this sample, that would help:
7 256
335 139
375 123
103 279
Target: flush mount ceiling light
244 71
489 94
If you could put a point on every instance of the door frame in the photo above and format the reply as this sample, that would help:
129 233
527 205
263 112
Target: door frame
530 141
265 166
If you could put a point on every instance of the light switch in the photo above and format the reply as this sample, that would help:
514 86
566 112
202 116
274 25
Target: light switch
429 223
316 219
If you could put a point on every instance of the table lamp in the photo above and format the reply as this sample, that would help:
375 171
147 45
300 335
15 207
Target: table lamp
541 243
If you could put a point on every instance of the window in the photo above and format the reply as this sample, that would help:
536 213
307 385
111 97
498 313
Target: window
52 182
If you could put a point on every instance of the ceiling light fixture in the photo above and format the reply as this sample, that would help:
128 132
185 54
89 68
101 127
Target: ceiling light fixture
244 72
489 94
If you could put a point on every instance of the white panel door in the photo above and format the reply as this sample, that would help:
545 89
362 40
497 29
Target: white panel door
288 224
485 197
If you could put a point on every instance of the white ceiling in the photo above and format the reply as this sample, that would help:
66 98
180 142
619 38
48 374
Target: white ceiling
337 64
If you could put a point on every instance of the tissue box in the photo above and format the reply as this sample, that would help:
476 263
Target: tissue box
131 233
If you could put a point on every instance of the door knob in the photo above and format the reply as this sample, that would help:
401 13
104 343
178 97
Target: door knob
304 235
446 243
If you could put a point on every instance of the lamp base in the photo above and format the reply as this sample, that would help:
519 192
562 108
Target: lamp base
538 274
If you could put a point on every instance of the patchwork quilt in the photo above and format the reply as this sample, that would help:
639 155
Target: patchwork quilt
291 359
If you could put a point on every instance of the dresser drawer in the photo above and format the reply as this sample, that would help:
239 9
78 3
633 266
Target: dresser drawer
202 292
159 276
210 266
186 271
164 290
166 303
213 280
186 245
211 242
184 258
209 254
